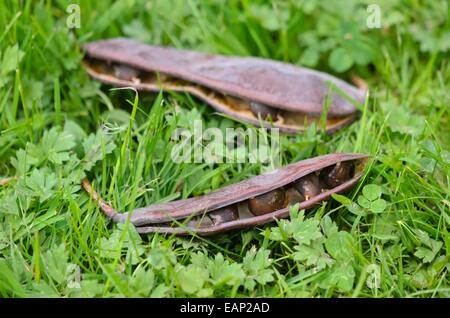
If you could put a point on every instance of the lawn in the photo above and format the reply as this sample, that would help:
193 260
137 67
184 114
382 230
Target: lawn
57 126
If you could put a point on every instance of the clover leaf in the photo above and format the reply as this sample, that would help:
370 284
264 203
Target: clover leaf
370 199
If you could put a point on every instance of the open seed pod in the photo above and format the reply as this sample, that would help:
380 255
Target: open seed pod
250 89
252 202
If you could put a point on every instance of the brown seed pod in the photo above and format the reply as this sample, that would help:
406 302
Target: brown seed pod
267 202
252 202
297 94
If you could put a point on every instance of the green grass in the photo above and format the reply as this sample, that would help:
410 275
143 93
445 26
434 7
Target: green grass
57 125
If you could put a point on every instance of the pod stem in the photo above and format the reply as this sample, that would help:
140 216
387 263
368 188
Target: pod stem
7 180
359 82
105 207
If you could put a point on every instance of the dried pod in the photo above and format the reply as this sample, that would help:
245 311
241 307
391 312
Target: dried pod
292 95
252 202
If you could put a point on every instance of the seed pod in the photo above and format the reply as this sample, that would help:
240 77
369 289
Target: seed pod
267 202
286 91
252 202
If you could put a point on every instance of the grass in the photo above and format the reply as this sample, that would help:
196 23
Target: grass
57 125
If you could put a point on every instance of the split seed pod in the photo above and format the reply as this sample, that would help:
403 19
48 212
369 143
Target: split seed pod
252 202
250 89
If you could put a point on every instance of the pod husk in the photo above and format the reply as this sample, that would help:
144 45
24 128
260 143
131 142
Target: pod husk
229 83
148 219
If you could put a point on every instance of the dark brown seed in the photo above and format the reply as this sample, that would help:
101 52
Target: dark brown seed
244 211
263 110
293 196
339 173
222 215
267 202
125 72
308 186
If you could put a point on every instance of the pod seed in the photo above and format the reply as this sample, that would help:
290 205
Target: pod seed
263 110
125 72
267 202
200 221
225 214
337 174
293 196
308 186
